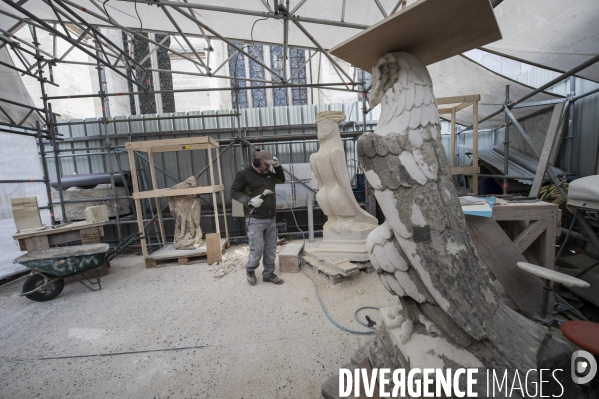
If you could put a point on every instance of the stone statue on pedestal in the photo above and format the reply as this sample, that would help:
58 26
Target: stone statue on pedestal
186 211
347 224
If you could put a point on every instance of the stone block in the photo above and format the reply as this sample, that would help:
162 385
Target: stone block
26 213
289 258
96 214
76 211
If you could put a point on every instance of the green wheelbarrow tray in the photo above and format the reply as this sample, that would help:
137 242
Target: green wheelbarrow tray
65 261
50 266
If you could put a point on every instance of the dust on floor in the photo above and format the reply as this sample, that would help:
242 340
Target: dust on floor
179 332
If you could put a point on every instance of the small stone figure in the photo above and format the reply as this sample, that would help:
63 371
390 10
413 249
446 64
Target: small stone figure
186 211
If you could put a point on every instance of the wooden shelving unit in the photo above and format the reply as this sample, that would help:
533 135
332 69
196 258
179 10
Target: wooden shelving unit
456 104
208 144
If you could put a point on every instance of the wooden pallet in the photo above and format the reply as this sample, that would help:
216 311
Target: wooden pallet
168 254
336 270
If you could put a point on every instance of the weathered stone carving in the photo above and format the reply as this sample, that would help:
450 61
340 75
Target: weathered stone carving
186 211
347 225
450 315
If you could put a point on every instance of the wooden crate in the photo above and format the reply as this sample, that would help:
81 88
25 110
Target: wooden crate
184 144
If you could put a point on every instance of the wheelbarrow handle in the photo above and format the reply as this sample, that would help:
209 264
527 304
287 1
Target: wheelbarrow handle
122 245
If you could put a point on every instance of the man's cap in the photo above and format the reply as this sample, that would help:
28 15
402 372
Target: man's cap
265 156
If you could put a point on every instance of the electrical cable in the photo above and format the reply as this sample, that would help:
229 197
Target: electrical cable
373 330
141 23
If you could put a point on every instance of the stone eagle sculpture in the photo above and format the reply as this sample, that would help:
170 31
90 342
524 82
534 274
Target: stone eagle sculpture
423 252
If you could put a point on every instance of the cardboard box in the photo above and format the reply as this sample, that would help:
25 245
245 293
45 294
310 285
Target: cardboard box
26 213
96 214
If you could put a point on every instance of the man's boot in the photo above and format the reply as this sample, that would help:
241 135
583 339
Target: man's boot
251 276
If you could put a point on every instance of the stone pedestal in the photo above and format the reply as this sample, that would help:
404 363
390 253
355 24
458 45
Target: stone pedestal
349 244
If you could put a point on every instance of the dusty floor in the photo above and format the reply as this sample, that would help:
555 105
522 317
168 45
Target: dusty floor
240 341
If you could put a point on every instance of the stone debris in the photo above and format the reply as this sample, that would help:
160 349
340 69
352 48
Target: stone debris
233 261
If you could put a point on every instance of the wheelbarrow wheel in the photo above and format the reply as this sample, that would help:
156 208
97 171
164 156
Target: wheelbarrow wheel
48 292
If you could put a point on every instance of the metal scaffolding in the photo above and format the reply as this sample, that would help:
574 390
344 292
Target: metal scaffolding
108 55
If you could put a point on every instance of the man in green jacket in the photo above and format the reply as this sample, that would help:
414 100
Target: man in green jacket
254 187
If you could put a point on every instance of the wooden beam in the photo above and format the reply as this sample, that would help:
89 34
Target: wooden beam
552 132
500 255
452 143
213 248
475 147
530 234
145 145
138 209
457 108
458 99
165 192
460 170
422 29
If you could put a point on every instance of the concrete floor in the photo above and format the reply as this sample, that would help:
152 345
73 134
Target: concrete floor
264 341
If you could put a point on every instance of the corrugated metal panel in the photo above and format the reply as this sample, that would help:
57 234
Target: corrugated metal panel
180 165
585 144
486 139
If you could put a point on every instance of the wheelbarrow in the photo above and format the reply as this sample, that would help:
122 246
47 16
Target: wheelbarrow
50 266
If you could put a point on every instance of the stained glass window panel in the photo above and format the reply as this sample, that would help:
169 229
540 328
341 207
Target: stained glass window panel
279 94
237 69
257 72
297 58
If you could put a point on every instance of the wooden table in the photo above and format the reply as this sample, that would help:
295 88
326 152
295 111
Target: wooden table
88 233
508 237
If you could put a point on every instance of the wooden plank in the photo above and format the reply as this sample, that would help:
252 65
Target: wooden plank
422 30
145 145
452 142
458 107
547 243
214 248
222 197
458 99
92 235
58 229
36 243
552 132
530 234
56 239
169 252
524 211
156 199
138 213
180 147
475 147
458 170
212 182
165 192
500 255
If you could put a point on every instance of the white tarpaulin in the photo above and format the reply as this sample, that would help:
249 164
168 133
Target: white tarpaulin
459 76
19 160
557 34
230 25
14 90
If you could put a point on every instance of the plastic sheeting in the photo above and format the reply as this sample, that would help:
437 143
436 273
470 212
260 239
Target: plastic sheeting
458 76
9 78
232 25
553 33
19 160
